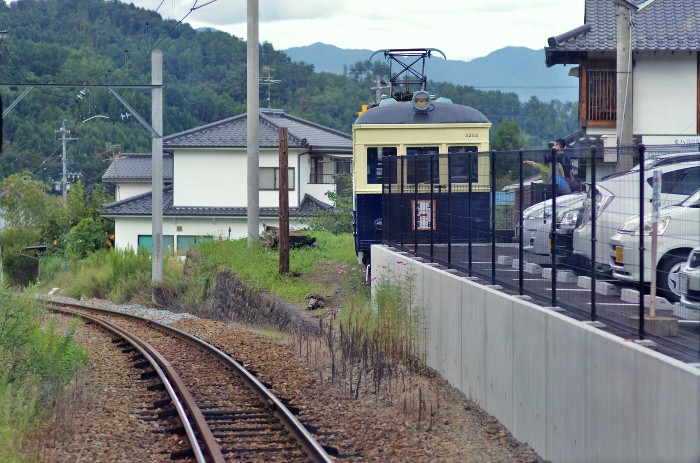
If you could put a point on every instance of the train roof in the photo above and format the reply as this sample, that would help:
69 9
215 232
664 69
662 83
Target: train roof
402 113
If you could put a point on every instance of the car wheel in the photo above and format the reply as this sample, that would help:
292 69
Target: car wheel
667 277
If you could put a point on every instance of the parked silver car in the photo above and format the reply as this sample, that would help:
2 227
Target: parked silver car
689 284
537 221
617 199
678 232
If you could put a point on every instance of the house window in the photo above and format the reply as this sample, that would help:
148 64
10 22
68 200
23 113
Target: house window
599 96
269 178
317 175
374 161
419 169
185 242
343 167
145 242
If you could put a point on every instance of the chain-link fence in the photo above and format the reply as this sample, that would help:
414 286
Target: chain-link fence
567 233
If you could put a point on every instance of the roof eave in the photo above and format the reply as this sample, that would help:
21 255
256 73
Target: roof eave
554 56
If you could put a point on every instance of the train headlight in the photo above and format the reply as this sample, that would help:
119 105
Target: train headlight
378 224
421 101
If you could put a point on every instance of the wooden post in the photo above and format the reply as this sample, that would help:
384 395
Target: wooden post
283 204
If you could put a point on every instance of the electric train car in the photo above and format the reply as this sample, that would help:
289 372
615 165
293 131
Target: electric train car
419 147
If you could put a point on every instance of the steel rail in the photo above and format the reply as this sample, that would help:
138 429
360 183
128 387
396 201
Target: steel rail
308 443
175 387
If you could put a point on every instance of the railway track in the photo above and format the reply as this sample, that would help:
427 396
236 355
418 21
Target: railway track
222 410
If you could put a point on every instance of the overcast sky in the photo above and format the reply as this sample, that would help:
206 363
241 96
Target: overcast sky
462 29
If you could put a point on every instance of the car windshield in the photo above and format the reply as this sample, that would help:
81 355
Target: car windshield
693 200
659 160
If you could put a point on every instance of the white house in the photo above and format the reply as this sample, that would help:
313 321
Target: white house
208 194
131 174
664 73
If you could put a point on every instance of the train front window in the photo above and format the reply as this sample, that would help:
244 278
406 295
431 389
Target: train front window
374 162
418 170
459 164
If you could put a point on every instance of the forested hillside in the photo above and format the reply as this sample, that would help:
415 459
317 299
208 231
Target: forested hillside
97 42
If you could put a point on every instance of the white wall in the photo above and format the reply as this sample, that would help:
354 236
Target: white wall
126 190
128 229
209 178
573 392
219 178
665 93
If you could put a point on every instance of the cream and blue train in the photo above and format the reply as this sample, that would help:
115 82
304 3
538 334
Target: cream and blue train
415 123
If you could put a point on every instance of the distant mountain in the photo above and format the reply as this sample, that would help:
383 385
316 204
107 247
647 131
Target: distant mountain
512 69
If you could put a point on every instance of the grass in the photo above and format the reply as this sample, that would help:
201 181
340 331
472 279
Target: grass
121 276
37 363
335 253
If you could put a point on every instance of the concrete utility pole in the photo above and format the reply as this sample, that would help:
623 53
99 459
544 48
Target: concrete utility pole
624 90
157 165
64 159
625 122
253 126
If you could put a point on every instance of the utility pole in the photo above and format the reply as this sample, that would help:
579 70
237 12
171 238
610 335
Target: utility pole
253 124
157 166
625 123
283 202
378 89
64 158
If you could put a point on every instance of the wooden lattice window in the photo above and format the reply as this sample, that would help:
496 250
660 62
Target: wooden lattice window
599 94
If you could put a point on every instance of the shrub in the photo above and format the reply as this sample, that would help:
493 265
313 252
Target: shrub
20 269
337 219
37 362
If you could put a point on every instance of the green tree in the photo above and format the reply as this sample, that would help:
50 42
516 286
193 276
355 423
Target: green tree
19 268
338 218
507 137
24 202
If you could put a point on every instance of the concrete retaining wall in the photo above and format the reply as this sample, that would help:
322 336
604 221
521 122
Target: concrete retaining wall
571 391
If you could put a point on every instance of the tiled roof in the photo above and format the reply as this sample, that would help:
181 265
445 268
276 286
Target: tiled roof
141 206
127 167
232 133
667 25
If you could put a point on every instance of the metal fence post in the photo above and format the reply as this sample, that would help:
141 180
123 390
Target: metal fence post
469 213
433 213
402 207
449 210
553 233
415 205
493 216
593 195
521 223
641 243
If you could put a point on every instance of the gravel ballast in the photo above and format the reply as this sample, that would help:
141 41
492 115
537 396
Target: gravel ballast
362 430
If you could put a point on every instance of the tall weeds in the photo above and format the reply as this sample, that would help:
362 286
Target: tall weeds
37 362
373 345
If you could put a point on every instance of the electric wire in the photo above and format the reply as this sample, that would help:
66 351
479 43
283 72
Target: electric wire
194 7
14 63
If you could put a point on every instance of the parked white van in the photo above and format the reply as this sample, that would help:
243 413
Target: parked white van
537 221
678 232
618 198
689 281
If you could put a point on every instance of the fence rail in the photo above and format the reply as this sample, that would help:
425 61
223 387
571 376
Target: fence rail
580 251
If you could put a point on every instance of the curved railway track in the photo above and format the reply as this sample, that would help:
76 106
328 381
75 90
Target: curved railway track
225 413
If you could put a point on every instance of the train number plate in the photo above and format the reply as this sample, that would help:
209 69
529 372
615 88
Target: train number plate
619 254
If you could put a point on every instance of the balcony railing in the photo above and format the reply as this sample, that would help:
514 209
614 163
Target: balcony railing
328 179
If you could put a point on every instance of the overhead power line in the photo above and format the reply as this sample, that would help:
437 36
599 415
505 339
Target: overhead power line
194 7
